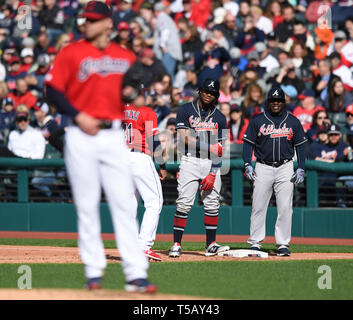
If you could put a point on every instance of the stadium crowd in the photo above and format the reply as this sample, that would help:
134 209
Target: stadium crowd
304 46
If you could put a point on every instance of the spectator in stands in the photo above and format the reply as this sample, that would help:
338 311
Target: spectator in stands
139 28
47 125
291 95
43 43
225 83
26 141
22 95
7 117
52 18
299 55
211 60
323 41
63 40
35 79
334 151
284 30
237 125
123 38
14 72
123 12
273 11
338 98
253 58
191 79
267 60
320 123
146 69
261 21
322 81
137 45
341 70
344 47
229 28
192 41
248 36
305 111
224 107
4 91
167 46
253 103
168 138
300 34
288 75
27 57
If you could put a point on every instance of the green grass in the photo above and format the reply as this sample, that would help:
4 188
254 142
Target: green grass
254 280
187 246
264 280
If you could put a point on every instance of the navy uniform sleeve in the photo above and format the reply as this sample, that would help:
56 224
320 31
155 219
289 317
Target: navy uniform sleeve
299 135
222 129
250 133
182 118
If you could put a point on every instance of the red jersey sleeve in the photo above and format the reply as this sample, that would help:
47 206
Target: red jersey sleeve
151 123
59 75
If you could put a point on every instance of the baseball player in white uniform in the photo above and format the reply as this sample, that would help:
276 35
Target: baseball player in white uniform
84 83
141 132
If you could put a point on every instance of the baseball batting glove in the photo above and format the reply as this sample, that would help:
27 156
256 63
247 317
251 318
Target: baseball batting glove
217 149
250 173
208 182
298 177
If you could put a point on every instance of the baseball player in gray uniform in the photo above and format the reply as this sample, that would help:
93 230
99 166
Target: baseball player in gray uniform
202 129
274 136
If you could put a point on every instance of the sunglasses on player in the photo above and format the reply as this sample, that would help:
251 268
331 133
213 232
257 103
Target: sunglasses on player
21 119
348 114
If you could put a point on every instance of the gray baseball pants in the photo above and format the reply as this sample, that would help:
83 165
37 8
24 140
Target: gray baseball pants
270 179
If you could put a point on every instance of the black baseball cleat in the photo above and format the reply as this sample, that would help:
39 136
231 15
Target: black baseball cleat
283 252
94 283
140 285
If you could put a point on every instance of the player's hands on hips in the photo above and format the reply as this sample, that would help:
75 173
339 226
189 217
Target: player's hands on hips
87 123
208 182
250 173
162 174
298 177
217 149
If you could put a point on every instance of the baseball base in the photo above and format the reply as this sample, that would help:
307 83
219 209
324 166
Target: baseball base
241 253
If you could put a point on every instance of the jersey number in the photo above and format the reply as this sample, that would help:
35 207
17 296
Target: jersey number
128 133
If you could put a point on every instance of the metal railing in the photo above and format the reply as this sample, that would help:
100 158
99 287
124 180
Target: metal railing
24 180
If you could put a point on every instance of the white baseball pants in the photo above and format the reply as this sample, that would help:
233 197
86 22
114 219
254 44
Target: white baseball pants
191 172
148 186
93 163
270 179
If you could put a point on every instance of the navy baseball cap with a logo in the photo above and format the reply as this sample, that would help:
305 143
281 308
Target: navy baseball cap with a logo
210 85
96 10
276 93
334 129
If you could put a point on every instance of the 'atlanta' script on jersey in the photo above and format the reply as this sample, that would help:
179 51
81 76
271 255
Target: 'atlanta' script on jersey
198 125
270 130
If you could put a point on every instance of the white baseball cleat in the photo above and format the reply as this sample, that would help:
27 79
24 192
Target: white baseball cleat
214 248
175 251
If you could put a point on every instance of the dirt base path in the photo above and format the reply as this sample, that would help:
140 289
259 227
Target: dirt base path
43 254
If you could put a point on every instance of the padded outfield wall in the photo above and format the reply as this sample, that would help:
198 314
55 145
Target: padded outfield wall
52 217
